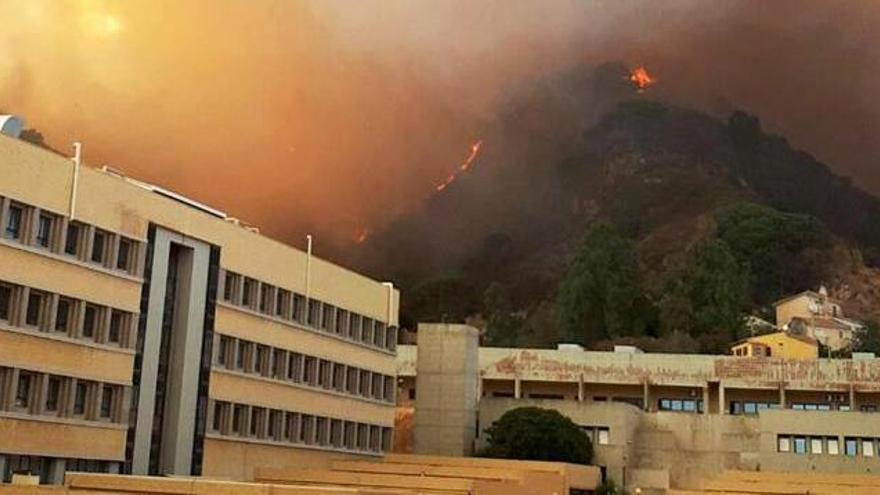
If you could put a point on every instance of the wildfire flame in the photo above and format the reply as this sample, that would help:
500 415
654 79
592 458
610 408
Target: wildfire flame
464 167
640 78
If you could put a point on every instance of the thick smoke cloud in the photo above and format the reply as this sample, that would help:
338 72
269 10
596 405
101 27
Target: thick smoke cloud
327 116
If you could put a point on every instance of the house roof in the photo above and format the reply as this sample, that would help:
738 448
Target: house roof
757 339
809 293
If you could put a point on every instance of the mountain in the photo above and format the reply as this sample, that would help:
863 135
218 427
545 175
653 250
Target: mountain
582 148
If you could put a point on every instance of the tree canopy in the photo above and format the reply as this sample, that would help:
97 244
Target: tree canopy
600 296
533 433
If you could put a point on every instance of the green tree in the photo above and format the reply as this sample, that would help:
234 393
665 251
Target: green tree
533 433
868 339
601 296
717 287
502 323
770 244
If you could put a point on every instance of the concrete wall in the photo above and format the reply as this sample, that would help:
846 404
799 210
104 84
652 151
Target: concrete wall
446 402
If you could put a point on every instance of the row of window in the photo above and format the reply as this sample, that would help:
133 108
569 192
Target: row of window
751 408
290 306
280 364
827 445
43 311
275 425
43 394
598 435
42 467
32 226
681 405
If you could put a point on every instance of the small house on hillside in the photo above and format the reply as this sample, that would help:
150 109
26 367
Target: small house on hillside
817 316
777 344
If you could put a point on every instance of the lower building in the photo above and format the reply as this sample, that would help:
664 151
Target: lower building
656 420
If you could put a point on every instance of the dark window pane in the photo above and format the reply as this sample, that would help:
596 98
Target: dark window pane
124 256
79 399
246 292
34 309
44 230
218 416
53 391
228 286
116 321
89 321
98 247
5 301
23 394
62 316
13 222
107 401
71 245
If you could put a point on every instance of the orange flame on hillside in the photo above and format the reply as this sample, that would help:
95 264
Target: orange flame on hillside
640 78
464 167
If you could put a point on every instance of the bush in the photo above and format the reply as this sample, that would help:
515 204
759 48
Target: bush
533 433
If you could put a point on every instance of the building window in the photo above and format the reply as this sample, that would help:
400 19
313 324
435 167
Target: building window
354 326
850 447
336 433
79 398
217 420
243 359
229 283
238 415
783 444
603 436
314 313
13 221
5 302
680 405
124 255
324 373
23 393
294 367
282 300
832 446
117 323
247 292
99 246
868 447
279 358
63 315
34 313
307 429
72 243
265 297
275 417
299 308
262 360
309 371
816 445
366 330
349 435
90 321
800 445
321 427
341 322
44 230
257 414
224 343
53 392
327 320
107 401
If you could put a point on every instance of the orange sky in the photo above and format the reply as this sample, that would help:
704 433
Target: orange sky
325 116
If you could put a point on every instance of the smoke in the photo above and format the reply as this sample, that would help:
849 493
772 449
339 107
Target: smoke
330 116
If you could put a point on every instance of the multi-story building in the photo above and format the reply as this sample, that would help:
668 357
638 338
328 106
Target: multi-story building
142 332
655 419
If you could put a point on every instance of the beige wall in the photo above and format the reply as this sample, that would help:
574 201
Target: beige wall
58 438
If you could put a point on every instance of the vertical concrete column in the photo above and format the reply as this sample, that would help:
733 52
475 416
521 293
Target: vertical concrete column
580 388
4 212
721 402
103 333
69 397
63 222
646 394
782 403
88 233
12 388
19 310
2 463
447 379
852 398
52 309
113 255
517 387
30 225
57 467
706 399
39 398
